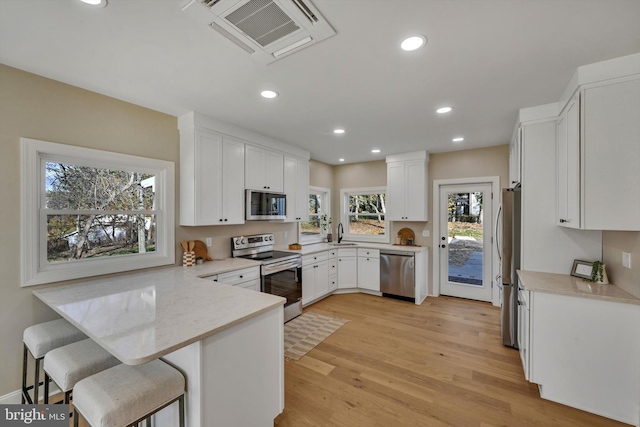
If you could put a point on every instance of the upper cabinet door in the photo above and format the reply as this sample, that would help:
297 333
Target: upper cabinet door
302 196
208 179
264 170
407 195
416 191
233 182
255 167
568 161
611 155
395 191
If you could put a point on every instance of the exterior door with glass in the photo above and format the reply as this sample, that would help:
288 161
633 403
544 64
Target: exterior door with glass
465 242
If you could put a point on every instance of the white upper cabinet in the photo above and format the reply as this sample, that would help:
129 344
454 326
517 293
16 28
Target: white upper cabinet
515 158
599 157
264 170
296 187
568 160
407 195
211 184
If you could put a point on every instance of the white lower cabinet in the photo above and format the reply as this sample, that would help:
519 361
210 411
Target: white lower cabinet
523 329
583 352
248 278
333 270
347 268
315 277
369 269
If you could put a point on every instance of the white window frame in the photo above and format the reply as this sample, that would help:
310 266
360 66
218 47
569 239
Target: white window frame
326 204
344 215
35 267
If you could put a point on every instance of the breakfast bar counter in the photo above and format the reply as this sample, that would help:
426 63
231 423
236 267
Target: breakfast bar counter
227 341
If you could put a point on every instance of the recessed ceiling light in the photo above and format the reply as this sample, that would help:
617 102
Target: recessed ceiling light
99 3
444 110
459 139
269 94
338 131
341 160
413 43
375 150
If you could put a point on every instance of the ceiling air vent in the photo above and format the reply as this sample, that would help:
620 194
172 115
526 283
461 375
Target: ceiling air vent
267 29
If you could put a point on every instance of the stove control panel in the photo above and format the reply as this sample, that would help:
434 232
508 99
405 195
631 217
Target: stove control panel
255 241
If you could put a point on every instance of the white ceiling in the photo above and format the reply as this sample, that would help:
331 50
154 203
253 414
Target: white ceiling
487 59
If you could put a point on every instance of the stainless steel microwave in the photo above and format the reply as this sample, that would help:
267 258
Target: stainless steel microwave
266 206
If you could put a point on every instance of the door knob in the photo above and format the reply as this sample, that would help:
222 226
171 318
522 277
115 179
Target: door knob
443 246
443 238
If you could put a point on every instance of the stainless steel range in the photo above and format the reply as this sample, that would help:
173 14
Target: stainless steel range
281 272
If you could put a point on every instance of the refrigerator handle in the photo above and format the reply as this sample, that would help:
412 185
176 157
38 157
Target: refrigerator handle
496 232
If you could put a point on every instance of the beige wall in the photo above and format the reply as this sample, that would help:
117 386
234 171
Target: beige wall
35 107
613 244
39 108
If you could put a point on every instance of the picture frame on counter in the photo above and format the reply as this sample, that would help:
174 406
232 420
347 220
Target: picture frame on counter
582 269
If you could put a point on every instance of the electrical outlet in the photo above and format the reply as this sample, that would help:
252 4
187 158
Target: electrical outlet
425 233
626 259
209 241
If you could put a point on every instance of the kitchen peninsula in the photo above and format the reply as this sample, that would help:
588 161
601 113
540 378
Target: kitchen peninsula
227 341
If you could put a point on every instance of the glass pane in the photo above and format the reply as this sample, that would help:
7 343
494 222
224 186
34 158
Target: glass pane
367 203
310 227
81 187
465 238
315 204
72 237
370 225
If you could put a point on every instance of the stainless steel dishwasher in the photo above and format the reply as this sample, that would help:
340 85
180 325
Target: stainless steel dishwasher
397 274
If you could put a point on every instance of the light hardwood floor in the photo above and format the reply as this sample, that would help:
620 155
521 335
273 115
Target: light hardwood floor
397 364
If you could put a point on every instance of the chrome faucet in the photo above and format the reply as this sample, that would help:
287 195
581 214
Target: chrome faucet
340 231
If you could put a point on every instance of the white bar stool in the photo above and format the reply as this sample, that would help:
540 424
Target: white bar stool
125 395
38 340
73 362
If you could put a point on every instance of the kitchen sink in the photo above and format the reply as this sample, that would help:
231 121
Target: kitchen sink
343 244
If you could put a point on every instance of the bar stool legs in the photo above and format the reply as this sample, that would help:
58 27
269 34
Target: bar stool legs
179 399
26 397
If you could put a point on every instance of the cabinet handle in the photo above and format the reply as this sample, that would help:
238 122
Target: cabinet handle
565 220
220 219
225 220
514 182
241 276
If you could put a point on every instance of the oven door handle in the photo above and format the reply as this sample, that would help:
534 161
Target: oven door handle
275 268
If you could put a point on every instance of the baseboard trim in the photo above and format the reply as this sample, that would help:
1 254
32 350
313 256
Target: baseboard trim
15 397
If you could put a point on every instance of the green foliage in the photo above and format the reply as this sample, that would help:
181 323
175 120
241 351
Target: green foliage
597 272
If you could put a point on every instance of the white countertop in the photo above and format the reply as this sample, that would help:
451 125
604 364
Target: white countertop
320 247
142 316
573 286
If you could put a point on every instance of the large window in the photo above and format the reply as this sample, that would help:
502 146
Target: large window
316 229
363 214
89 212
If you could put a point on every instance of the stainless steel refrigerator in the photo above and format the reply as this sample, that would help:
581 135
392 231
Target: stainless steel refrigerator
509 230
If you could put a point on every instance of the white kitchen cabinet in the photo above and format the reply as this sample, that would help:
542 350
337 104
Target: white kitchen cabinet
347 268
248 278
598 157
264 170
315 281
515 158
407 194
568 160
584 353
296 187
211 178
523 329
369 269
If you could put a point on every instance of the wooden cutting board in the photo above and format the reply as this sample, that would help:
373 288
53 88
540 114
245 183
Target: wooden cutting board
406 234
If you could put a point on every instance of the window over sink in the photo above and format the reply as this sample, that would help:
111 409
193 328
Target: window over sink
363 214
89 212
